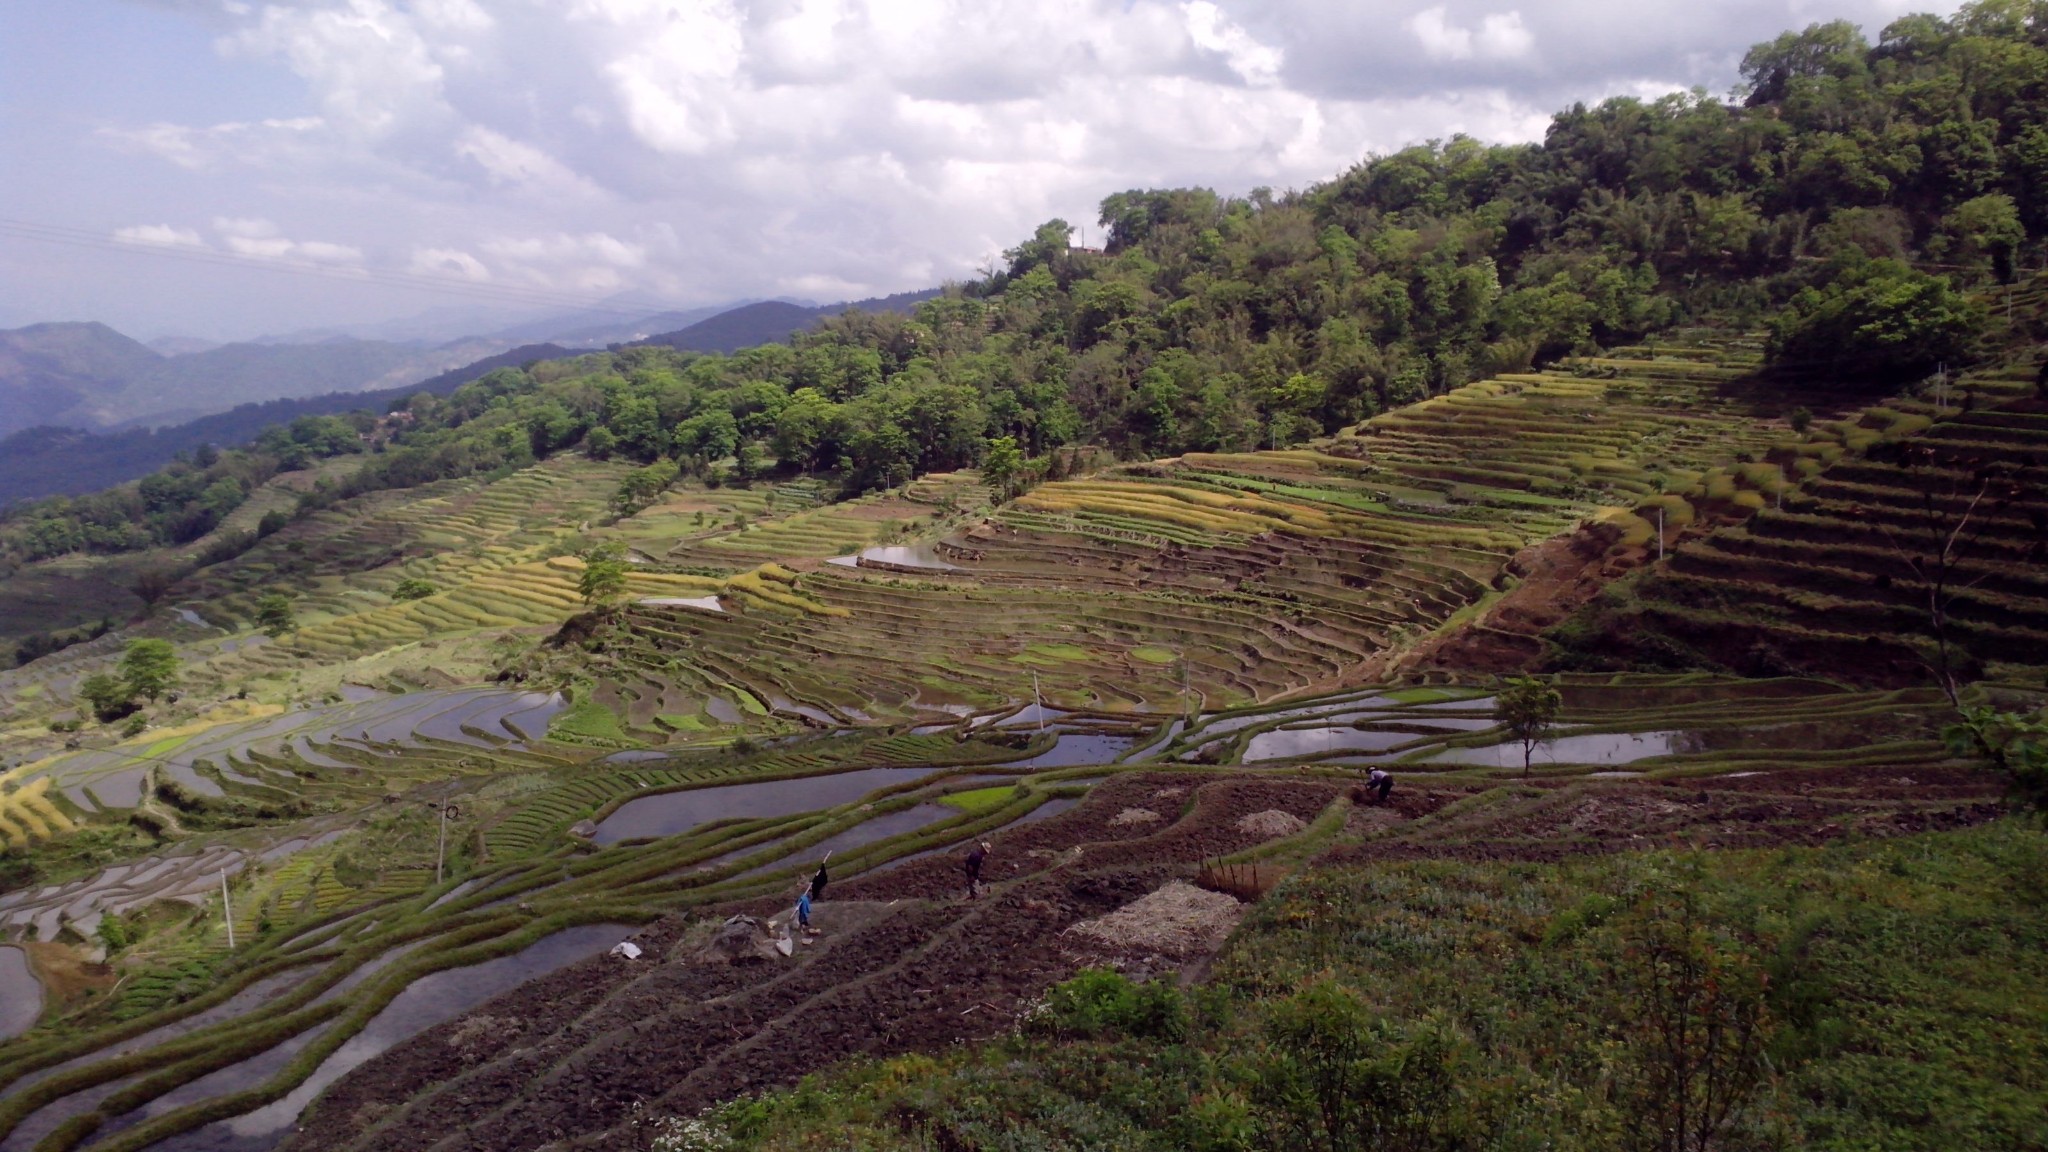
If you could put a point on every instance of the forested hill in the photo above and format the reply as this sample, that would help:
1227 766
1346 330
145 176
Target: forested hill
1848 202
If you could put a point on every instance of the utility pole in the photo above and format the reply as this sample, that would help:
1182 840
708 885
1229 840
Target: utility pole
227 909
1184 703
1037 702
1660 533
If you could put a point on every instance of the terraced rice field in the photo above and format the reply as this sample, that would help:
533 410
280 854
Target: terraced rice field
1825 580
1764 762
1217 580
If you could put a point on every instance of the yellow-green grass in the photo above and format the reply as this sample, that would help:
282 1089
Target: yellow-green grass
980 800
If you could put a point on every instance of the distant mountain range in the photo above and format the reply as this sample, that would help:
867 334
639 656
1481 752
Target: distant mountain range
48 461
83 407
773 321
87 375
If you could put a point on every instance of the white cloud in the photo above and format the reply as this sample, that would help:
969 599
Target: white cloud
1501 36
194 149
716 148
162 235
447 262
1211 30
261 239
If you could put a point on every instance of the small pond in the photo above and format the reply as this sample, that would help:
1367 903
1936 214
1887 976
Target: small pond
670 813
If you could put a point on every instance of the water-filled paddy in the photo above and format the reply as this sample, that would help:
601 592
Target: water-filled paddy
21 994
899 555
1591 748
669 813
1077 748
424 1003
867 832
700 603
1295 743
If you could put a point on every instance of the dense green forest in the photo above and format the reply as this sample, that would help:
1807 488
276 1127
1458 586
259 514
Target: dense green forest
1848 203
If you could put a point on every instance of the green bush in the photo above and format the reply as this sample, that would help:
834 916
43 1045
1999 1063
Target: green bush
1099 1002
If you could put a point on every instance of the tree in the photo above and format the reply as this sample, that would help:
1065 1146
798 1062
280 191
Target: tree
153 584
604 573
274 614
1001 465
2015 744
1332 1076
1948 537
108 697
1880 321
1696 1026
1528 708
149 668
413 588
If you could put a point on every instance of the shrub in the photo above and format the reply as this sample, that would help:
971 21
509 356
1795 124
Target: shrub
413 588
1099 1002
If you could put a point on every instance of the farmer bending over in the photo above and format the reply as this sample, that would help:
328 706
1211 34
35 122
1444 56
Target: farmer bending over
1379 782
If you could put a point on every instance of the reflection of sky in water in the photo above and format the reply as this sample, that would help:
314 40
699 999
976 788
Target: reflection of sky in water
901 555
868 832
1286 744
669 813
21 995
1079 748
1591 748
426 1002
502 717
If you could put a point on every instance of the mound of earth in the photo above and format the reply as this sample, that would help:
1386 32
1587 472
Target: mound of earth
1179 921
1271 824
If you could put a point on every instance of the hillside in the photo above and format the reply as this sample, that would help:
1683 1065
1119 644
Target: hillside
38 462
49 370
771 322
89 376
1132 568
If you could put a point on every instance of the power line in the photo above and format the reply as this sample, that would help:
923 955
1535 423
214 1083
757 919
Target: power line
498 293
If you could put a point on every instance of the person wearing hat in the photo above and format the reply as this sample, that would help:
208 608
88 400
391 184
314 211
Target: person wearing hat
973 863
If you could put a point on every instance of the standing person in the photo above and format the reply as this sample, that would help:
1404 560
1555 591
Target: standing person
972 864
803 911
819 881
1379 782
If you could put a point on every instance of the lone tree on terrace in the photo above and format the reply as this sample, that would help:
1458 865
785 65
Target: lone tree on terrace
274 614
604 573
150 667
1527 707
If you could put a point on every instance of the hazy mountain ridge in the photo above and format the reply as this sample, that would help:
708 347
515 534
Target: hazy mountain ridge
87 375
56 461
773 321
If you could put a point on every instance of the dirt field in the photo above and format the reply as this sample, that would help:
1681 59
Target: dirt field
906 963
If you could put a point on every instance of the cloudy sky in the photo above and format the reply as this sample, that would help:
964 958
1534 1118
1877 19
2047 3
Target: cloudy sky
229 167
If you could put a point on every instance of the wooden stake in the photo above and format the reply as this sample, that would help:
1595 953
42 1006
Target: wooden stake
227 908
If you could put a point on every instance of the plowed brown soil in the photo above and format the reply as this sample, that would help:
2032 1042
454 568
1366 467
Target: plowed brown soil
907 963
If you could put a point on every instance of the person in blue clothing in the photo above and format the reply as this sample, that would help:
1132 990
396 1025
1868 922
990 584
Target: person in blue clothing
803 910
